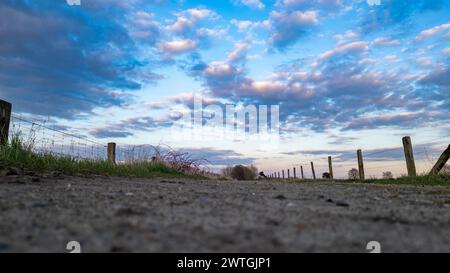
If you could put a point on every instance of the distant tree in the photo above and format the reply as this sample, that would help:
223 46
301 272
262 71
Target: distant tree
227 171
353 174
241 172
254 170
388 175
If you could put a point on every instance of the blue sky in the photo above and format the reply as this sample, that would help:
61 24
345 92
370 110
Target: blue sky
346 74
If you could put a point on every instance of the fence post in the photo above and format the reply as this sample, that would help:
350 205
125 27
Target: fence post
330 167
282 173
441 161
409 156
313 171
360 165
112 152
295 173
5 119
289 173
279 175
301 170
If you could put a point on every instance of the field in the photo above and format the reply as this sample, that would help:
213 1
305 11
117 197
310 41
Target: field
41 213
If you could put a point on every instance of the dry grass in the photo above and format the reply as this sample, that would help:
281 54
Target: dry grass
19 153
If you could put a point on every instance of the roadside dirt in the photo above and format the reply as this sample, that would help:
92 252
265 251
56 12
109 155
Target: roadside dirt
42 214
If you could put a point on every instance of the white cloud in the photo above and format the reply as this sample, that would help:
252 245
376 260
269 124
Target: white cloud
288 27
347 36
426 62
199 13
392 58
297 17
426 34
359 46
267 87
212 32
329 4
255 4
245 25
239 52
178 46
144 19
188 18
219 69
386 41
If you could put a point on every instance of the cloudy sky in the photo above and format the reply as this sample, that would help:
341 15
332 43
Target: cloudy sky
346 74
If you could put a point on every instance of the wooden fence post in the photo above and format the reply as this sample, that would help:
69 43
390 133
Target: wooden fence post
282 173
360 165
441 162
313 171
279 175
295 173
303 174
5 119
289 173
409 156
112 152
330 167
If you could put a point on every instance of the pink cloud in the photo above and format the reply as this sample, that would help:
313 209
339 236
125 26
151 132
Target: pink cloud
426 34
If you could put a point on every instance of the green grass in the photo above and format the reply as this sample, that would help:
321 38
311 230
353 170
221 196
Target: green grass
17 154
441 179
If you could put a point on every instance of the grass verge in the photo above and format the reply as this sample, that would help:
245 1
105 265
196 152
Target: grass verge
16 154
441 179
437 180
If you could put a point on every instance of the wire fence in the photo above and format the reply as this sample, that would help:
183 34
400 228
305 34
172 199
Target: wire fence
57 141
51 140
47 139
376 161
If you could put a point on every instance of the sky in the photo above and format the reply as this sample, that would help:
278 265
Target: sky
346 75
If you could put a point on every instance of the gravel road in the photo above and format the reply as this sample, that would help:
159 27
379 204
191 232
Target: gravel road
106 214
